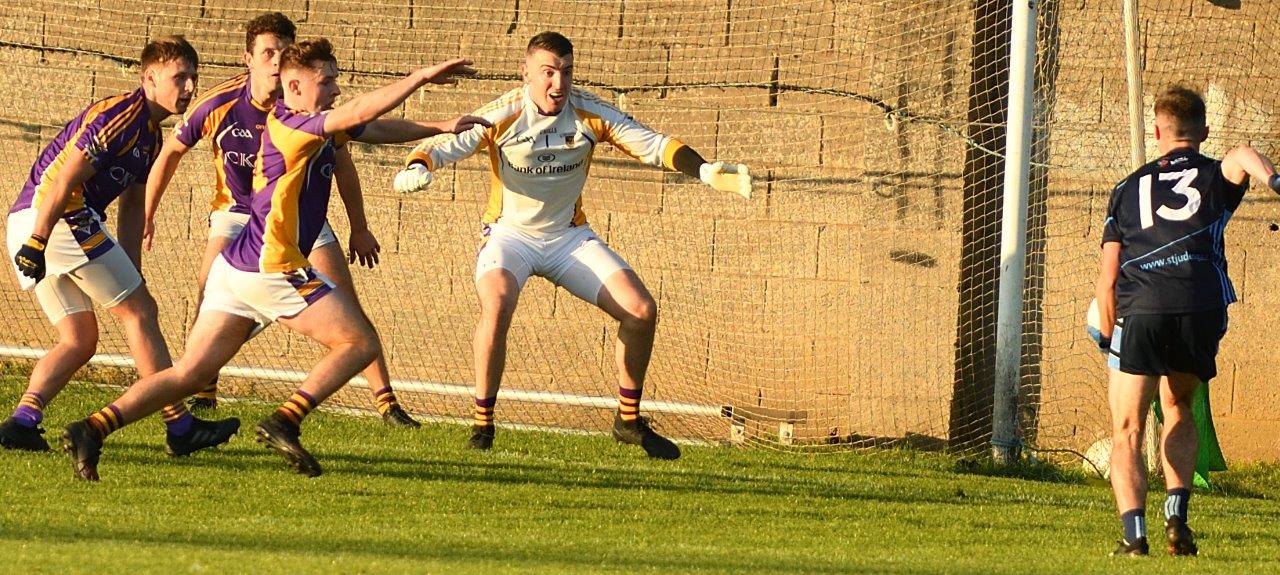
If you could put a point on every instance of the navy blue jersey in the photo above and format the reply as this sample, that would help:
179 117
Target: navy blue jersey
1169 217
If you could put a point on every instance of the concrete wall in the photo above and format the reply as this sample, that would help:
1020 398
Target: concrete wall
829 299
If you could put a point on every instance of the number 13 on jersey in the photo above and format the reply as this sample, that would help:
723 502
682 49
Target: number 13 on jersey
1183 187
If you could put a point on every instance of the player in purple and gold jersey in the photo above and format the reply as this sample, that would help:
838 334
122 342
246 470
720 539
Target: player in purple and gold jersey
62 249
540 152
264 274
232 116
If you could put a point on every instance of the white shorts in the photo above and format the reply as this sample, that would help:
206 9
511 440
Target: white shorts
225 224
83 265
262 297
575 259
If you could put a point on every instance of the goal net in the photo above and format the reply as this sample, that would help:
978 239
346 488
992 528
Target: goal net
850 303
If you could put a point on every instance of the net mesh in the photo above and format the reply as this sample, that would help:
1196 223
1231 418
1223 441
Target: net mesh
850 303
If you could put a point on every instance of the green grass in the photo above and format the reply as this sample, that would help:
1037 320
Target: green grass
401 501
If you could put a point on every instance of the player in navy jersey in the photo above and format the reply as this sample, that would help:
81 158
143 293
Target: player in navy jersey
232 116
1163 292
264 276
61 248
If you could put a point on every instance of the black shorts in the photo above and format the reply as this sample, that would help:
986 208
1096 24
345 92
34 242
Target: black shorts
1155 344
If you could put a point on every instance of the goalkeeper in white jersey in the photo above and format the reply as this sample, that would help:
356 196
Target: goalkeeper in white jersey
540 149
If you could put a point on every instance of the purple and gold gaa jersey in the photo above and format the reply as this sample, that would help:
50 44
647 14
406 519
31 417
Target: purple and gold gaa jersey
1169 217
120 141
233 122
291 184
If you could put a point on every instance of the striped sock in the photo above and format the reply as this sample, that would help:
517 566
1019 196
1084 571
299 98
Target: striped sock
177 419
484 411
106 420
210 391
298 406
628 403
386 399
1175 504
30 410
1134 522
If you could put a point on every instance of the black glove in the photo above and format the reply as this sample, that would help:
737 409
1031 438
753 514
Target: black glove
1104 344
30 258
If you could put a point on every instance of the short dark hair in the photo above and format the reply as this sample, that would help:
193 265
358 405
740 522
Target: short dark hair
553 42
167 49
270 23
1185 106
304 54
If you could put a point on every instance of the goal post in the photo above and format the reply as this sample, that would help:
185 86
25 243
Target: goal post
1005 441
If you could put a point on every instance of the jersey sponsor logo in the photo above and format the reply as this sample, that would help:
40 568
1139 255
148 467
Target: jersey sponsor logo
120 175
1174 260
545 169
234 159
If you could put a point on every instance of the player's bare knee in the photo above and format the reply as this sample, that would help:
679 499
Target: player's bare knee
642 314
81 348
646 311
193 377
139 307
499 307
1127 431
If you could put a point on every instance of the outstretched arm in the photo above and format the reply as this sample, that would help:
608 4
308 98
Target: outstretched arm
1244 161
158 181
391 131
434 153
719 175
371 105
647 145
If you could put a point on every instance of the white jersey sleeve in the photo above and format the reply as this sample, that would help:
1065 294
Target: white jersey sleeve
625 133
439 151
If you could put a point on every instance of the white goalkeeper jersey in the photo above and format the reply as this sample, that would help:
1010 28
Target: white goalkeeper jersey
538 164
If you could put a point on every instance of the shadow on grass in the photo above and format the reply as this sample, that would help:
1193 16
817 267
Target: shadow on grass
481 470
1025 468
540 556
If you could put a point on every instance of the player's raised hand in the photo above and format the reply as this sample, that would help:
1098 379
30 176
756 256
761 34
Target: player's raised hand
727 178
414 178
463 123
364 247
447 72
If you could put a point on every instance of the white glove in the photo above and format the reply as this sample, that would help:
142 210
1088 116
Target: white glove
414 178
727 178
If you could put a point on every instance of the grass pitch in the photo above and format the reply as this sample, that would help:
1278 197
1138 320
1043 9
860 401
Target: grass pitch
417 501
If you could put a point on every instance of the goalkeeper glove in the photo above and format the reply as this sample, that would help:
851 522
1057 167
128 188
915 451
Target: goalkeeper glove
727 178
30 258
414 178
1275 182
